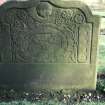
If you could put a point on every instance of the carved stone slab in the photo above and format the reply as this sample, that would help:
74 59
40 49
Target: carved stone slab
48 44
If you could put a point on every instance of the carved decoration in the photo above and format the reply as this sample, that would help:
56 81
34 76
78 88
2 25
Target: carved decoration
47 34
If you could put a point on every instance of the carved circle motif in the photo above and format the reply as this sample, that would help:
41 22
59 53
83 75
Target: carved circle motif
44 10
64 14
79 18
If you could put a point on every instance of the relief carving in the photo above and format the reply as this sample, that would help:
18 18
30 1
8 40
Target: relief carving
47 34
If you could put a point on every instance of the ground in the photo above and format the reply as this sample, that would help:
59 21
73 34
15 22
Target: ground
44 97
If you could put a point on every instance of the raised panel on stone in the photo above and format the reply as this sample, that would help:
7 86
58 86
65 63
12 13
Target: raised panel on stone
56 39
84 45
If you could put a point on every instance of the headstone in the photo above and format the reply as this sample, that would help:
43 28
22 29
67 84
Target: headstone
48 44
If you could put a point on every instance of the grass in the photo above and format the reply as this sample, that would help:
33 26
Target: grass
49 103
32 103
101 54
92 103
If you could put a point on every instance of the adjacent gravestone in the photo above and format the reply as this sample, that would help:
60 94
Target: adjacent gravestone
48 44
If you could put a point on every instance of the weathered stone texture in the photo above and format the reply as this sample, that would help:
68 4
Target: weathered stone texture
56 39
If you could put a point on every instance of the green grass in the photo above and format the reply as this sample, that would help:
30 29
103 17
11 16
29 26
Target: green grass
31 103
49 103
101 54
92 103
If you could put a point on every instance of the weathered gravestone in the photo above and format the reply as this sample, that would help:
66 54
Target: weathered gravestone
48 44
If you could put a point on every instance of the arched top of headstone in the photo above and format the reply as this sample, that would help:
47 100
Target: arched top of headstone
59 3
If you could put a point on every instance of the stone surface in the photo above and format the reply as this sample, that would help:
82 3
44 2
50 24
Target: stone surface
48 44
